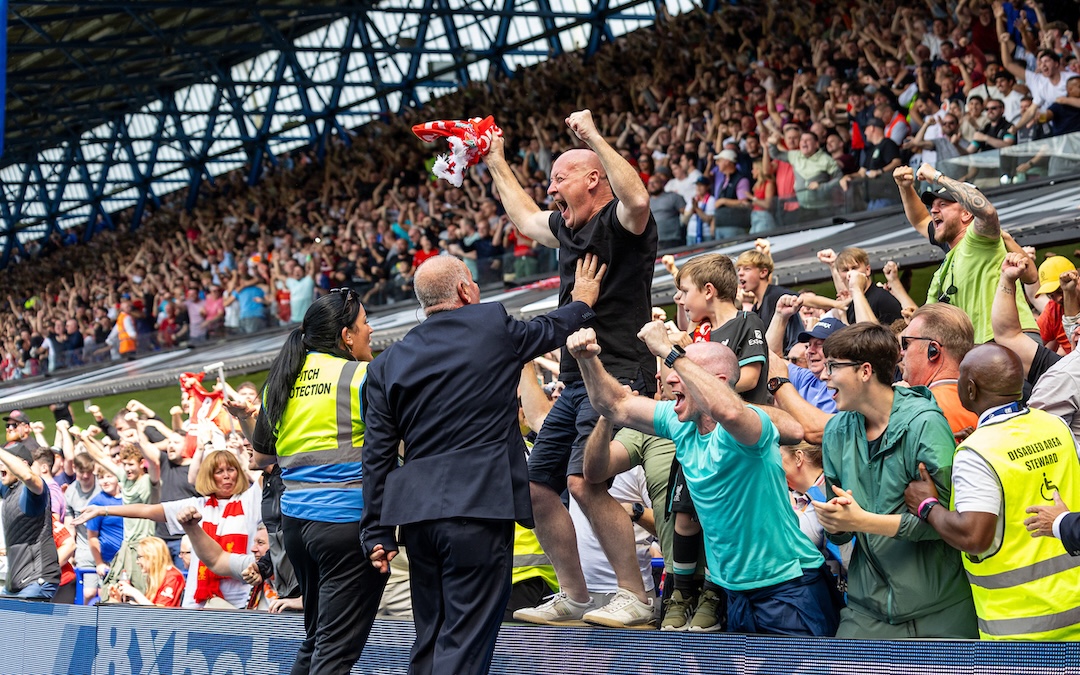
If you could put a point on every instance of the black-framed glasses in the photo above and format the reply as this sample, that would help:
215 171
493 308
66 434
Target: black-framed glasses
830 366
906 340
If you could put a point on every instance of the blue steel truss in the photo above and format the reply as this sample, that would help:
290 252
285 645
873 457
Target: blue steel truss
372 59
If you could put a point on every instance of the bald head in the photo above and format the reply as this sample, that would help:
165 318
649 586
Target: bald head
581 158
439 283
990 375
716 359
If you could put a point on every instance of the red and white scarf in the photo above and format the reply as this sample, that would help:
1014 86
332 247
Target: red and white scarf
230 531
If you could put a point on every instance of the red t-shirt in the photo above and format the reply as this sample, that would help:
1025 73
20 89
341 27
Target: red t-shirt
60 534
421 255
171 593
1051 327
284 304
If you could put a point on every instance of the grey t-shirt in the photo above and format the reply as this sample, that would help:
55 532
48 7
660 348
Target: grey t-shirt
666 208
76 501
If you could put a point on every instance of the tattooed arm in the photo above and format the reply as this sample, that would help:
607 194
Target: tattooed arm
968 196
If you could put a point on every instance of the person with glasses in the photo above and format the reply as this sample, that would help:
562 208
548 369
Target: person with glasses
18 429
997 133
185 553
33 571
903 580
774 579
936 339
948 144
311 427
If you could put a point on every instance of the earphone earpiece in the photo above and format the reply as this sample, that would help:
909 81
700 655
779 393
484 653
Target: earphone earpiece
932 351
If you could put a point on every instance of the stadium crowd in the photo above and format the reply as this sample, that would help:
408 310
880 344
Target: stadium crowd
753 117
835 419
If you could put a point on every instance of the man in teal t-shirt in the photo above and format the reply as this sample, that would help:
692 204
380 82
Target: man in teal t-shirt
774 578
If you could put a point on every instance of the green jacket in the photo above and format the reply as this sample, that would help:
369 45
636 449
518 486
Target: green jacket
897 579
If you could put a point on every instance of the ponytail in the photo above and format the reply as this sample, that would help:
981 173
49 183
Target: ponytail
319 332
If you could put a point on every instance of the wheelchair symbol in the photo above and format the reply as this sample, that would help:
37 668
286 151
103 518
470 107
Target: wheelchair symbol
1046 490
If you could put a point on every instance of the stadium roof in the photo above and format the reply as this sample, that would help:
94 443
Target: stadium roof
75 65
111 104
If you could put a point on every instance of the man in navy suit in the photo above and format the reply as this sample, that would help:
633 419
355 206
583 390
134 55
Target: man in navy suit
448 390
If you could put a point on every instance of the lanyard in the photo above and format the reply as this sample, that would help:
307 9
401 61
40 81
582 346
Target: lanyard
1008 409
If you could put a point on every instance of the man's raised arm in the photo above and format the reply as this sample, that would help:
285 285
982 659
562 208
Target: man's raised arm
718 401
520 207
968 196
609 397
626 184
916 212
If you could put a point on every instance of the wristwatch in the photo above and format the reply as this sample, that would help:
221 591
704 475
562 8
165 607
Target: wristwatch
775 383
639 511
677 352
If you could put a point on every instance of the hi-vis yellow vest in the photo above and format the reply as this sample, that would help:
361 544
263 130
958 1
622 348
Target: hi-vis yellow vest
1029 588
319 441
530 560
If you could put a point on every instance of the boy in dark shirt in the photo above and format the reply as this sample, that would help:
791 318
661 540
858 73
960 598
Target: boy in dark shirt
707 287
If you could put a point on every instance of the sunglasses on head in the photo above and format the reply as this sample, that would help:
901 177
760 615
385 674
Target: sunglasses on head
349 293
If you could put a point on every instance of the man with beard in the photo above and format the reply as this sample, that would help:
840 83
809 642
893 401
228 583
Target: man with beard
961 217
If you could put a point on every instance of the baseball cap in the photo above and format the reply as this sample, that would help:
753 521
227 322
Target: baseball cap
704 180
729 155
1052 268
875 122
17 416
822 329
929 196
21 451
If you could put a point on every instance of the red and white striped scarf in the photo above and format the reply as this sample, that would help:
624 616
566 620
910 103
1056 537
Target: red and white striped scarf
230 531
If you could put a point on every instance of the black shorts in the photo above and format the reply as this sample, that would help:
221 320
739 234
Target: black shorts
679 500
560 445
559 450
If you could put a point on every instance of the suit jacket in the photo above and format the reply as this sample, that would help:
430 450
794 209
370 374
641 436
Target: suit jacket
448 389
1070 532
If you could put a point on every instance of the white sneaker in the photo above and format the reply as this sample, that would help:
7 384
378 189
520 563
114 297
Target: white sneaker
623 611
559 610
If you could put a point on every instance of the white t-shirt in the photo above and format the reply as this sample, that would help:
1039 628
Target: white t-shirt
1043 91
684 187
627 488
234 591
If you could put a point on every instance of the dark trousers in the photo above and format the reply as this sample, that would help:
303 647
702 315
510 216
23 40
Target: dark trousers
460 575
341 592
803 606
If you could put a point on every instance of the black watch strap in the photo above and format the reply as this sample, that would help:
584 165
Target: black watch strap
775 383
677 352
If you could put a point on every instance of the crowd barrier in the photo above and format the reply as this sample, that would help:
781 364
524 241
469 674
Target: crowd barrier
42 639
